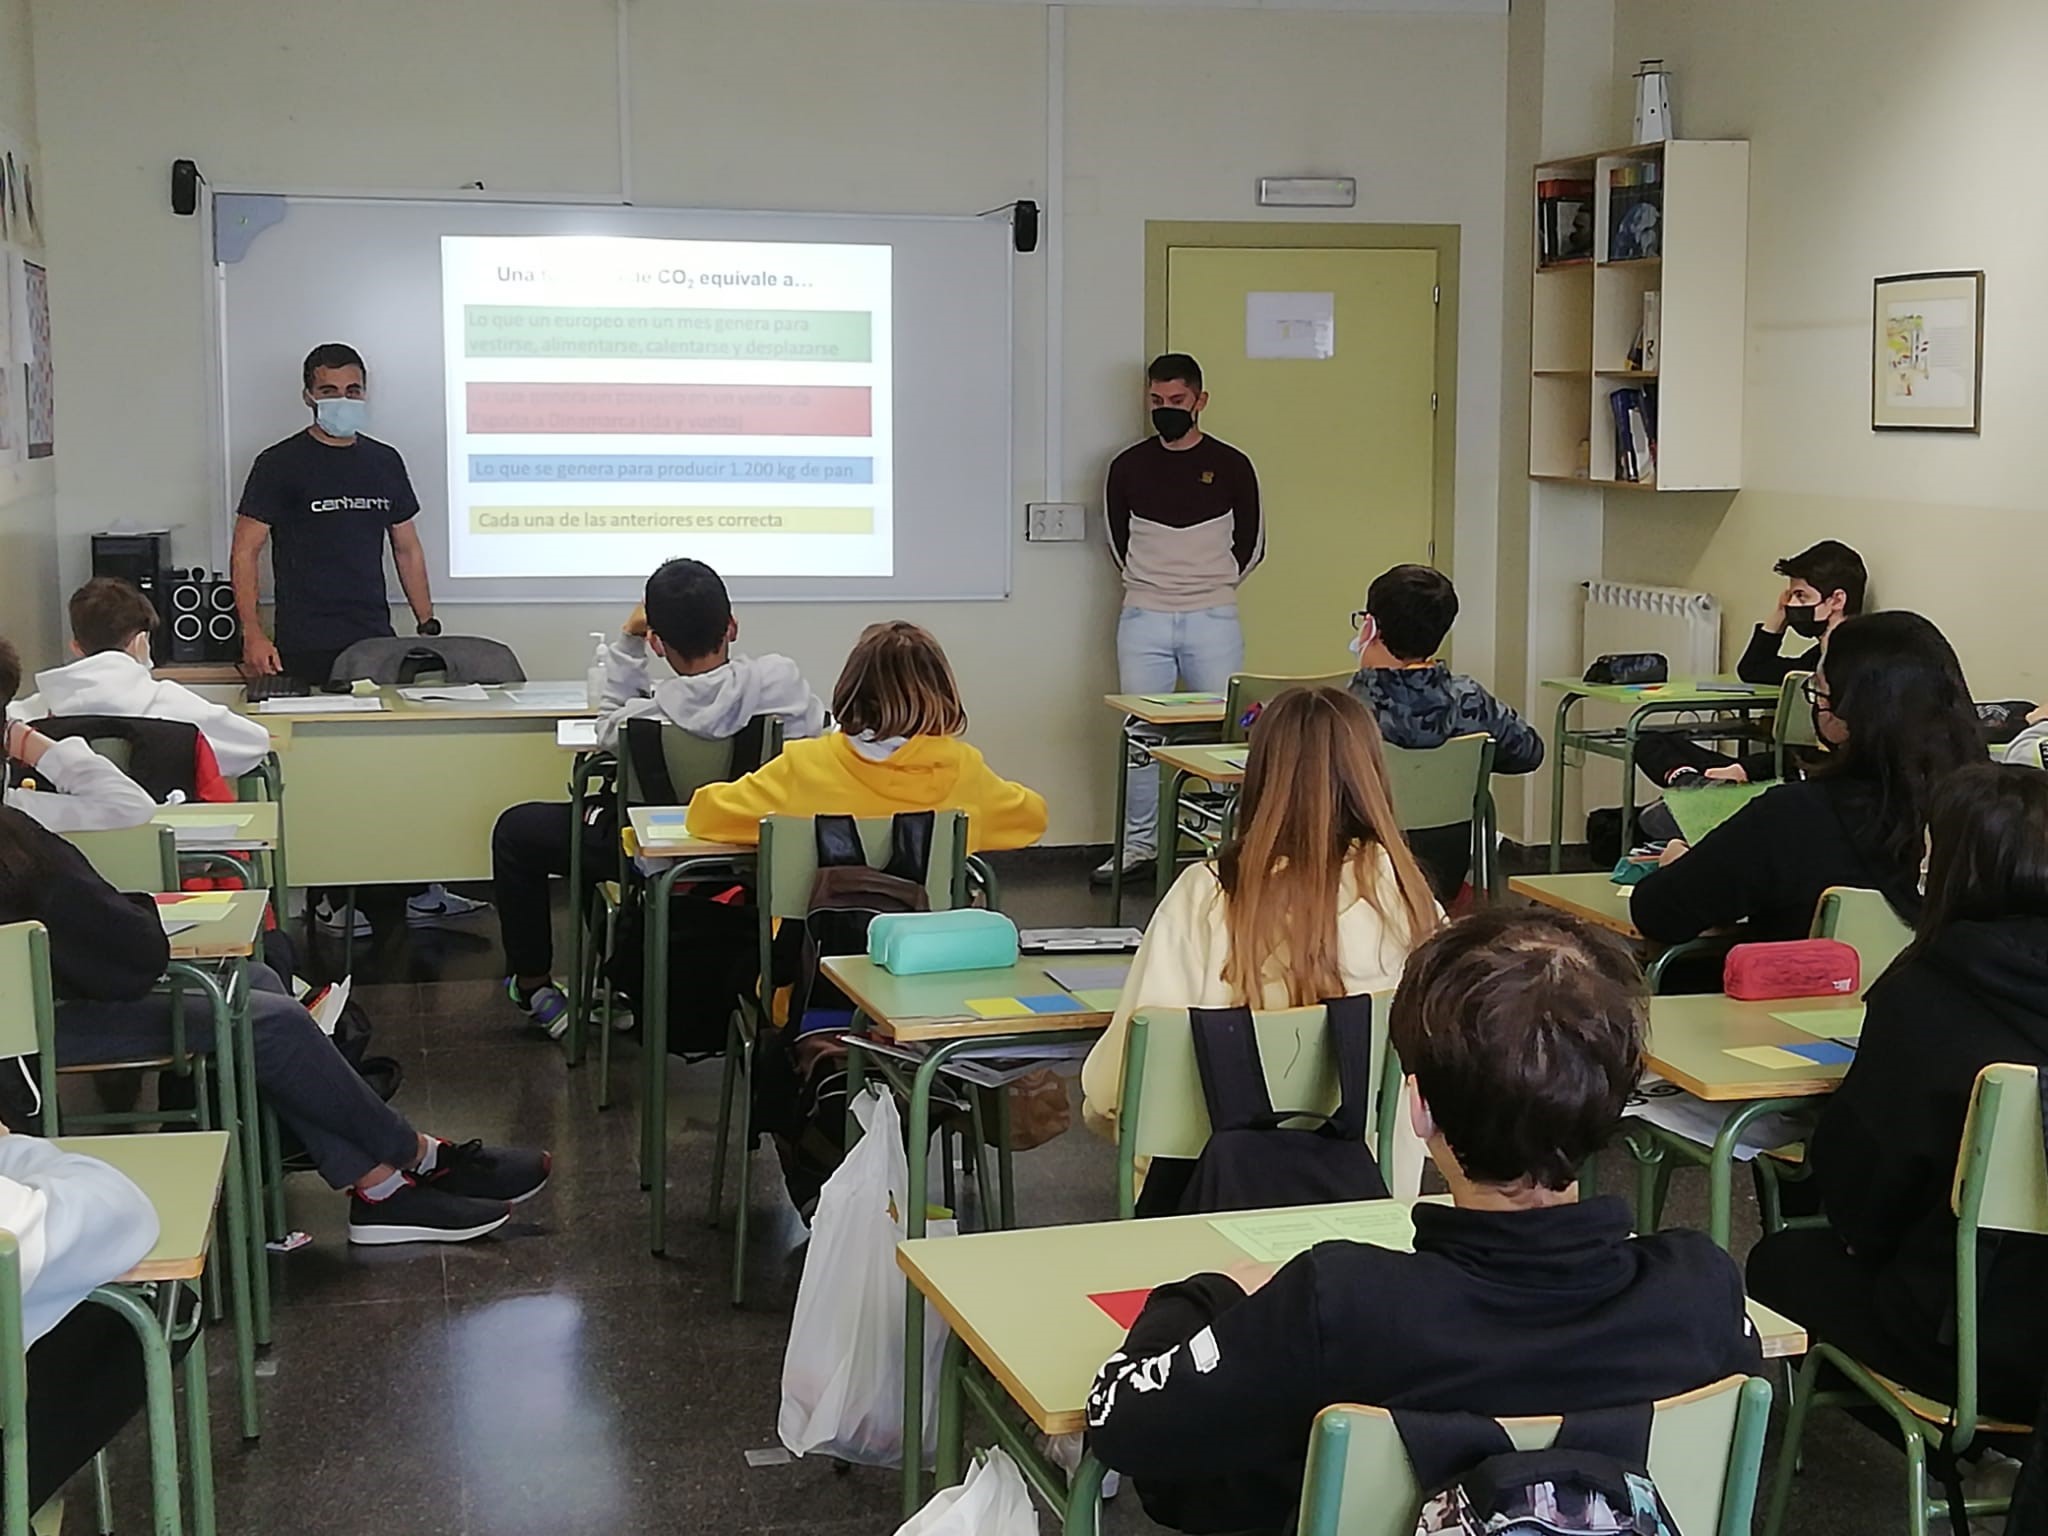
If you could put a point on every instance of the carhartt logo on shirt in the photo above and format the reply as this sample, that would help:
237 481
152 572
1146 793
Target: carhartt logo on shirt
351 504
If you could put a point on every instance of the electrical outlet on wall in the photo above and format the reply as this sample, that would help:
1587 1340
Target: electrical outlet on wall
1052 522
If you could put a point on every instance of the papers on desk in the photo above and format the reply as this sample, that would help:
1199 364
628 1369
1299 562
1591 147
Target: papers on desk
1274 1237
1824 1023
562 696
180 911
326 1004
1024 1007
454 693
1700 810
176 925
213 830
1079 941
1081 976
1184 700
1699 1122
579 734
321 704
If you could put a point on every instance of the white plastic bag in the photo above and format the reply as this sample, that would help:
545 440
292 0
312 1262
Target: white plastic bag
842 1374
993 1501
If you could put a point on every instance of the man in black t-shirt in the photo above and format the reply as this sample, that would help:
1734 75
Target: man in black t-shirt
328 497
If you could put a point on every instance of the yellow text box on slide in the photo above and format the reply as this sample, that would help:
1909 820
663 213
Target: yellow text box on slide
543 520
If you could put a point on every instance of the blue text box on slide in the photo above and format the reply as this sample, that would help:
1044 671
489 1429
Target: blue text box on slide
668 469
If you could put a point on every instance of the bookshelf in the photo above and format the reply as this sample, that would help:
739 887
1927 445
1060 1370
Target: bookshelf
1668 219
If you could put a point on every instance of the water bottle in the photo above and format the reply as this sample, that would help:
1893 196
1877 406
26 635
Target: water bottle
593 680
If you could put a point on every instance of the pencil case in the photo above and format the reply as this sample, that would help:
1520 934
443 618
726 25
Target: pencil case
1754 973
919 943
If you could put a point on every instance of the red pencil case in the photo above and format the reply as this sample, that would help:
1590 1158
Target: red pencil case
1797 968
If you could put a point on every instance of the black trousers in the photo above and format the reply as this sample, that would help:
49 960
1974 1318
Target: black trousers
530 846
84 1383
308 666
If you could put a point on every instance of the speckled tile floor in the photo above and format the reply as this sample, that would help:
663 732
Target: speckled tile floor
557 1378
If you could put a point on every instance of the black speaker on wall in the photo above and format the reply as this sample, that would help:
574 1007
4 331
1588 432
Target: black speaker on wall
203 624
223 624
143 560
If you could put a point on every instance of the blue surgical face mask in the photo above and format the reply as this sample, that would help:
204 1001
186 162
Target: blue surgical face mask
341 417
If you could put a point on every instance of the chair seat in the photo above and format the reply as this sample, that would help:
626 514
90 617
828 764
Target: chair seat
138 1064
1933 1411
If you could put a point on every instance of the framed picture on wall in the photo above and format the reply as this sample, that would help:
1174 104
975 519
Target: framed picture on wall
1927 353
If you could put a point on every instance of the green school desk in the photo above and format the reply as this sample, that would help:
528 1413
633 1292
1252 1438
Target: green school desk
409 793
180 1172
215 953
1178 717
1021 1310
1690 1042
1594 897
1680 696
933 1014
1220 766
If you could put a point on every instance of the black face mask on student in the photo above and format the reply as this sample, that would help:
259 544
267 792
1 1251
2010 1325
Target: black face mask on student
1172 423
1804 619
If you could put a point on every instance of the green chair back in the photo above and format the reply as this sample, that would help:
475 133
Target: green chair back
2001 1185
1250 689
1448 786
690 761
28 1007
1864 921
1705 1450
1792 725
143 858
1161 1111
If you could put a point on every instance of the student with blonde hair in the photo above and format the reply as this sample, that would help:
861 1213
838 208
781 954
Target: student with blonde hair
897 748
1316 897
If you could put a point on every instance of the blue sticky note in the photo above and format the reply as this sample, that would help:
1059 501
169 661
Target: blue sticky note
1826 1053
1052 1002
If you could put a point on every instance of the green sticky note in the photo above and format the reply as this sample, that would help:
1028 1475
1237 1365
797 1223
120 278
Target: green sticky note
1825 1023
1100 999
1774 1057
1699 811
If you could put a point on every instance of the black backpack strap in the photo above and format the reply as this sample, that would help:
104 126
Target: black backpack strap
649 764
1442 1447
839 845
1601 1451
748 743
910 845
1350 1032
1227 1061
1620 1434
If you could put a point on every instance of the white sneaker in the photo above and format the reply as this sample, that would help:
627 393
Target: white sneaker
1137 861
436 904
327 917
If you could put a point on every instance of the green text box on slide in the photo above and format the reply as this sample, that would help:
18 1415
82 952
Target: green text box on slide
588 520
741 335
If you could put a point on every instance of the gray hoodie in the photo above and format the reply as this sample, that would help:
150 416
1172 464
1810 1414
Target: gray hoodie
711 704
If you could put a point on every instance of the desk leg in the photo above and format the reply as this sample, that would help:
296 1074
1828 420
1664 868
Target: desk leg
572 1038
1628 780
950 1463
918 1144
159 1396
1116 837
1171 783
1084 1498
199 1436
251 1144
1721 1165
654 1032
1561 744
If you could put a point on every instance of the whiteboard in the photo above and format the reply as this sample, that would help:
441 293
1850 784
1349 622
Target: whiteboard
295 271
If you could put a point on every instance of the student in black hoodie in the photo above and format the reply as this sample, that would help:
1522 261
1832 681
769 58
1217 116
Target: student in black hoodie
1879 1280
107 950
1890 702
1522 1031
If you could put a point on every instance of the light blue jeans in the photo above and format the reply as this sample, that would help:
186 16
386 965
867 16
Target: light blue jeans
1159 653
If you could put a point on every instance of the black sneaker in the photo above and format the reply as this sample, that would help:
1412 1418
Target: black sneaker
477 1172
422 1213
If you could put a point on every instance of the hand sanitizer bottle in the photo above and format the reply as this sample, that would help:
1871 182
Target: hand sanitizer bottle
593 680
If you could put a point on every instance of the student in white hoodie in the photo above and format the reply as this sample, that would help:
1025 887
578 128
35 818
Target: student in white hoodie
111 625
65 785
687 623
78 1223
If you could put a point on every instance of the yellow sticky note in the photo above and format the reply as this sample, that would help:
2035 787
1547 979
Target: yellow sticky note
997 1007
191 901
1774 1057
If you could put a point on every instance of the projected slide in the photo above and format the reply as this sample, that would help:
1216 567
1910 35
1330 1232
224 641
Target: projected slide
614 401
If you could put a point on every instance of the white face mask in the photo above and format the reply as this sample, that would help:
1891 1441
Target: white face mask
139 649
1368 632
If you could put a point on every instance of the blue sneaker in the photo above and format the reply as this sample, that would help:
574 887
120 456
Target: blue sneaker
545 1005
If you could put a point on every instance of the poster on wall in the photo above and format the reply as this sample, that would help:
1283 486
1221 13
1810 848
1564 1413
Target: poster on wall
1927 353
10 440
41 381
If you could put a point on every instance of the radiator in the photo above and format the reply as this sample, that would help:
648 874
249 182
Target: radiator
1625 616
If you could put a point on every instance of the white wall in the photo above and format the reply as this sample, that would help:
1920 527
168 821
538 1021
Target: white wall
807 104
30 614
1887 136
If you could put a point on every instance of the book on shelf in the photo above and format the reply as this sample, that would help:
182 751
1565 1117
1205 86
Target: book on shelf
1653 326
1635 434
1564 221
1635 210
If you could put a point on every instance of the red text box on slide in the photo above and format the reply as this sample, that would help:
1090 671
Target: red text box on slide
673 410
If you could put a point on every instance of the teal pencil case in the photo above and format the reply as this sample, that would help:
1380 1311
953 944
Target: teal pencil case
919 943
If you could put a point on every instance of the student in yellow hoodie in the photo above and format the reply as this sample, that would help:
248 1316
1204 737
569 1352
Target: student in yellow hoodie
897 748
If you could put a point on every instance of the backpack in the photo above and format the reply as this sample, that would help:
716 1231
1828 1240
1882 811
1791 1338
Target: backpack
800 1068
162 755
1254 1159
1594 1478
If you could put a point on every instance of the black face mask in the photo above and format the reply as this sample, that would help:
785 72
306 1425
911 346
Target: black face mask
1802 619
1172 423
